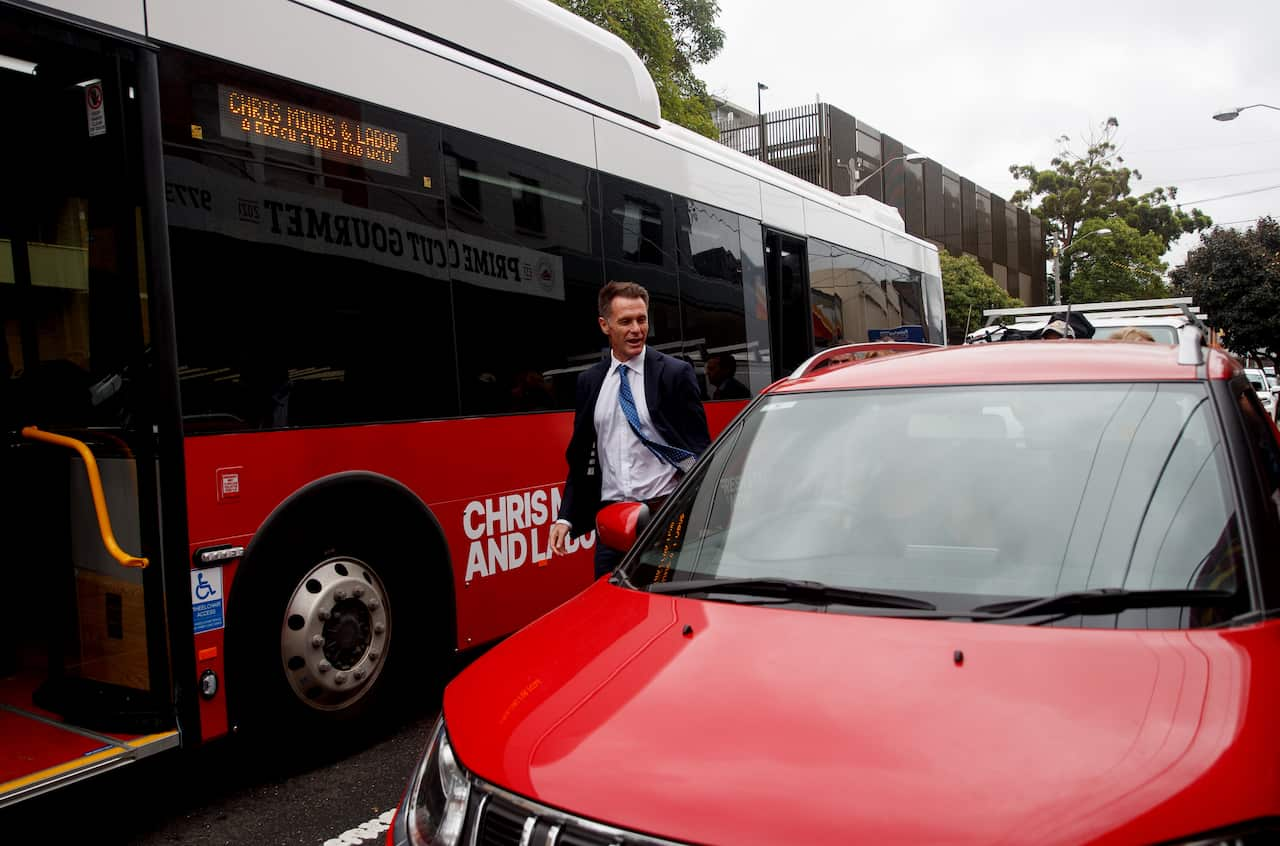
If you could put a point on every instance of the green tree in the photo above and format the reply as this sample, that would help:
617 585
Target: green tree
1097 185
1235 277
670 37
967 290
1122 265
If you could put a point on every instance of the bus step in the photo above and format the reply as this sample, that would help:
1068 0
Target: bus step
42 754
102 707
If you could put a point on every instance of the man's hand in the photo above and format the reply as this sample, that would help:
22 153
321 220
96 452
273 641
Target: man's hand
559 533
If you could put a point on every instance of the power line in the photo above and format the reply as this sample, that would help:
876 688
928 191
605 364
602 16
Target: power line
1227 196
1237 222
1221 176
1202 147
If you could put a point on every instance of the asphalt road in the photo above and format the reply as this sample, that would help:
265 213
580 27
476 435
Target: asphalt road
241 791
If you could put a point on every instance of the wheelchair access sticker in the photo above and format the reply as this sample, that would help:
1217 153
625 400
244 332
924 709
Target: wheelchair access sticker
206 599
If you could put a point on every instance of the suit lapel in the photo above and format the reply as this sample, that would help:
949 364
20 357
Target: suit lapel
652 379
598 373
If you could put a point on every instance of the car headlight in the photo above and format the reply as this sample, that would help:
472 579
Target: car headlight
436 804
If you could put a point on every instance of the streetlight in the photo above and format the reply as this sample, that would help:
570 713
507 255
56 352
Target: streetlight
1057 259
760 88
856 183
1232 114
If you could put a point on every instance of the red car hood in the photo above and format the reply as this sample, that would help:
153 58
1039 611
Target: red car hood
714 722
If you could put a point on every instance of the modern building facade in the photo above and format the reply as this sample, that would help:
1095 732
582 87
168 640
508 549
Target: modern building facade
833 149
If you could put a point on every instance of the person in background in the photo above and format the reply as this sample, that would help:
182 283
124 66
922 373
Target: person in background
1133 333
721 382
530 392
878 354
639 424
1055 330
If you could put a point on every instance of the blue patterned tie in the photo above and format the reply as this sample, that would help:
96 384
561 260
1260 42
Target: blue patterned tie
675 456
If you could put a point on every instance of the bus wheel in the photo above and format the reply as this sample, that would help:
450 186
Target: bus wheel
334 634
323 633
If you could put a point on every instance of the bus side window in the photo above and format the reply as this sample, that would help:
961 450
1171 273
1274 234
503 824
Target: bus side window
525 285
713 312
640 246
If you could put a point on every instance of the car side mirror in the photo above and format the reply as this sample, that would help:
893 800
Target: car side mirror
618 524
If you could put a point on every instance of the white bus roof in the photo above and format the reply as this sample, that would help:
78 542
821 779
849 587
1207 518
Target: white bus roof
536 38
542 40
521 71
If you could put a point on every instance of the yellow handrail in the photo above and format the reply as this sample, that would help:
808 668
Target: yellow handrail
95 486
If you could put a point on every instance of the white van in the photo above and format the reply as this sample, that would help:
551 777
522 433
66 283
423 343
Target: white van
1160 318
1163 330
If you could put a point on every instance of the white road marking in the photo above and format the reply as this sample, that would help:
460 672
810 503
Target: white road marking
366 832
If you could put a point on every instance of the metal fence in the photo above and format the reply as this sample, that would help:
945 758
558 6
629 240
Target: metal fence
797 141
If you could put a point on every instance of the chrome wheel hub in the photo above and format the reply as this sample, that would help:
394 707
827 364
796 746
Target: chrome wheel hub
335 632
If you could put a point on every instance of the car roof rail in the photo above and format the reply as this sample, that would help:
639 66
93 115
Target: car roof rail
1163 307
1155 312
1192 337
854 353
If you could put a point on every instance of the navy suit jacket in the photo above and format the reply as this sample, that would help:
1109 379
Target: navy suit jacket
674 401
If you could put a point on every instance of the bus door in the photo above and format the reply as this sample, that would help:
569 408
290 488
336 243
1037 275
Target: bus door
790 324
84 679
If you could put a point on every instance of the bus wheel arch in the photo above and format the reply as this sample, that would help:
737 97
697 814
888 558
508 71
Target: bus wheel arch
343 581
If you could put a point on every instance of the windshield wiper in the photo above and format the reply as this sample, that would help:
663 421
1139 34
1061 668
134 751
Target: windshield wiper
1101 601
795 589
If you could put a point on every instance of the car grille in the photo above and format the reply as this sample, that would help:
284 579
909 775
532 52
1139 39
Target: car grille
498 818
500 824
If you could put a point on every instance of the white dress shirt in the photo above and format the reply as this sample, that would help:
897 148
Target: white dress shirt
629 471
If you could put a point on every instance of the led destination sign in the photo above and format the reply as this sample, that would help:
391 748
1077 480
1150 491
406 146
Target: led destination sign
287 126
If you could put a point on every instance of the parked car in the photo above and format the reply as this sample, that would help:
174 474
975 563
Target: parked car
1016 593
1264 388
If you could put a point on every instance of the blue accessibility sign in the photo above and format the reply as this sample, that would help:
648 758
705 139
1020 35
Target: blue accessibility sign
206 599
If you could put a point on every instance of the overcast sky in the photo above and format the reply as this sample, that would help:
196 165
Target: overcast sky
979 86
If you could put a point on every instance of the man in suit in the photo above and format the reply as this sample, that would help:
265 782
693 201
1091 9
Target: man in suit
639 424
721 381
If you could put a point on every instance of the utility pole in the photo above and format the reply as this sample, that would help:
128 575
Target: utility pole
1057 271
764 136
1057 260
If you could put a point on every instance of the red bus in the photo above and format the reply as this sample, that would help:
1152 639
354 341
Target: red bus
305 286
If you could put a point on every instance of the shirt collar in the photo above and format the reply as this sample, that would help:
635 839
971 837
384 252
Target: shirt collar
635 364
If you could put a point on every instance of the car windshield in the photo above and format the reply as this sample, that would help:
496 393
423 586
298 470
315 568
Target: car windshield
964 496
1159 334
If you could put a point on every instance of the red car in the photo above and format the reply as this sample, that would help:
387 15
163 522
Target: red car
1010 593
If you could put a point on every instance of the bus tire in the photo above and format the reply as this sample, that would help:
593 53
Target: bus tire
333 618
